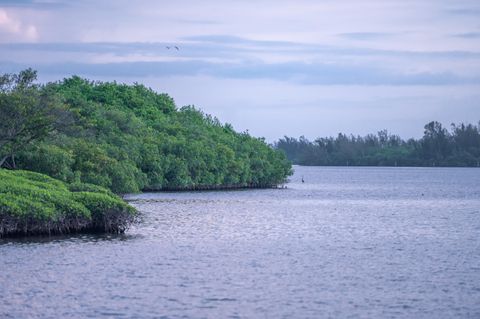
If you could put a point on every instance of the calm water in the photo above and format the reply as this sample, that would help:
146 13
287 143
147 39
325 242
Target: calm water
349 242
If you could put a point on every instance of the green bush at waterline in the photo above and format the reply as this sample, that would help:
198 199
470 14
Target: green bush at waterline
33 203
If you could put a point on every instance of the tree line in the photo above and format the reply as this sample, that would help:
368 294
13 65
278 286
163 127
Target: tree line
126 138
459 146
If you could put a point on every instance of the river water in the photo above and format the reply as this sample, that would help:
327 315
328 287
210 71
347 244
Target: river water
346 243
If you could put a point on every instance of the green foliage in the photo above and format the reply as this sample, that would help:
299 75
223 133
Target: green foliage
37 195
49 159
129 138
438 147
33 203
84 187
28 113
99 204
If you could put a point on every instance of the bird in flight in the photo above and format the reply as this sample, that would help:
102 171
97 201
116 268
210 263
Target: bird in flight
176 48
168 48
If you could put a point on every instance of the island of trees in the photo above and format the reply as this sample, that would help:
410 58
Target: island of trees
438 147
88 141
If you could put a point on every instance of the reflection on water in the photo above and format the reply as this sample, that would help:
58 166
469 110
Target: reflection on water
349 242
72 238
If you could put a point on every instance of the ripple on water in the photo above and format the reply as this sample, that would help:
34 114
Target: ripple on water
350 242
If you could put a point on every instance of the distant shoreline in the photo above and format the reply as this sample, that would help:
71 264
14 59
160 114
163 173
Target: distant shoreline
457 147
390 166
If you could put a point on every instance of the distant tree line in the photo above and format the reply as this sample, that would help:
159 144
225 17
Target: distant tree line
438 147
126 138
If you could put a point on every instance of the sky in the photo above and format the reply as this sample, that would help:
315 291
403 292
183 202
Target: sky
272 67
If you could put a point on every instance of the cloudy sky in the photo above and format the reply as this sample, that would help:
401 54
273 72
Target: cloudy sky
274 67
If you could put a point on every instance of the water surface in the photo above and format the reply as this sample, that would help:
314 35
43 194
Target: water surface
349 242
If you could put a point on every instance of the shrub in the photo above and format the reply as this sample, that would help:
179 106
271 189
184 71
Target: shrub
33 203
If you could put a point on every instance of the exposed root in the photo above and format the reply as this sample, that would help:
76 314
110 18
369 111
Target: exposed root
111 222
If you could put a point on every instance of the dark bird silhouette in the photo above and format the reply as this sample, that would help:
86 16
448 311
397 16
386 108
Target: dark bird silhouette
303 181
168 48
176 48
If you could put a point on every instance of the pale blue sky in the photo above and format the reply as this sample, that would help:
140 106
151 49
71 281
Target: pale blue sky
304 67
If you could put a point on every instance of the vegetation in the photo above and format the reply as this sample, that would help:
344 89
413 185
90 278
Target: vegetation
127 138
33 203
94 139
437 147
27 114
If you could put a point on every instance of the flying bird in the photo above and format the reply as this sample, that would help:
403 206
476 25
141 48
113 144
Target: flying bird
176 48
168 48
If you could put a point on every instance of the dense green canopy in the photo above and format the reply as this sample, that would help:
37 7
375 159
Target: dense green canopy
129 138
437 147
33 203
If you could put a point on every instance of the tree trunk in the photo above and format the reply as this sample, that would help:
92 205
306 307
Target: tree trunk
14 166
2 161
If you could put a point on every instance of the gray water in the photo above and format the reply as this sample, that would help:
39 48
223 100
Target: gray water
347 243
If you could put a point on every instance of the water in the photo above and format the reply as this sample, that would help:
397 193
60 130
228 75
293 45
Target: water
347 243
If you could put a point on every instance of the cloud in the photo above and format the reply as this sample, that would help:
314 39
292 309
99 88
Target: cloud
296 72
468 35
471 11
366 36
222 45
197 21
12 28
44 4
224 56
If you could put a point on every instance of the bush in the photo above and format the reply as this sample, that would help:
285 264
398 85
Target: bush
33 203
85 187
129 138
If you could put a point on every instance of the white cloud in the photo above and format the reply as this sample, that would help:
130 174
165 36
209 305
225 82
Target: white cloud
14 30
